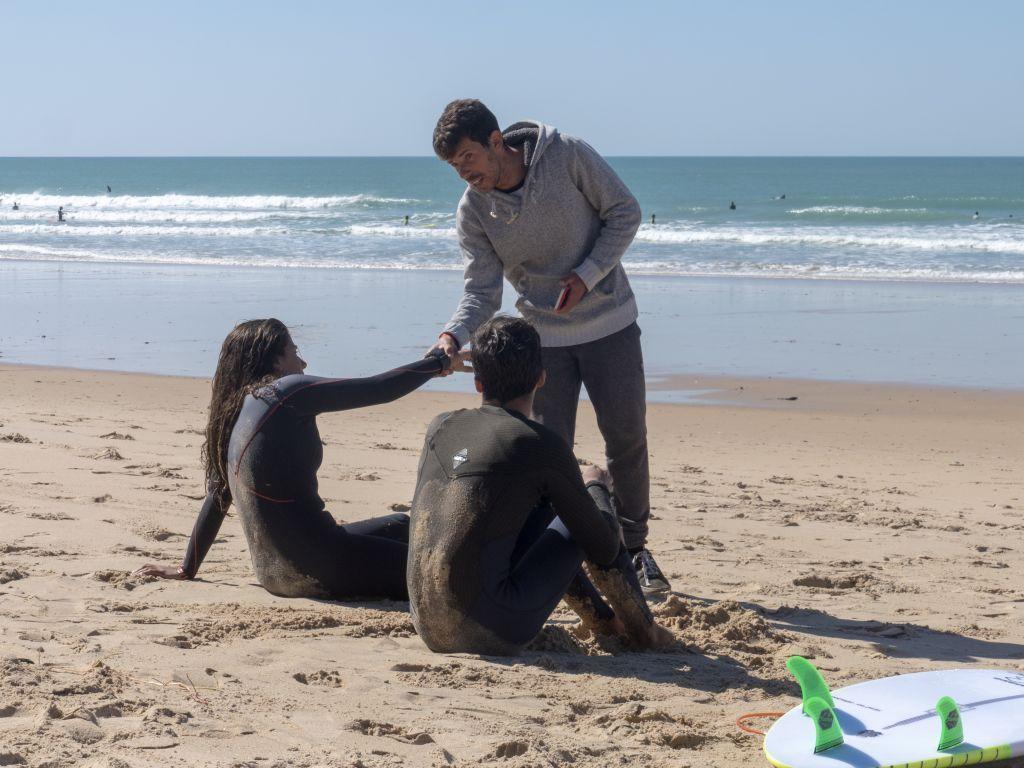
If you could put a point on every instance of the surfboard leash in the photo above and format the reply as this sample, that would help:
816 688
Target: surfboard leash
741 720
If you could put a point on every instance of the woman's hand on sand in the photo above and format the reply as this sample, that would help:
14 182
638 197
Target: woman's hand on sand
161 571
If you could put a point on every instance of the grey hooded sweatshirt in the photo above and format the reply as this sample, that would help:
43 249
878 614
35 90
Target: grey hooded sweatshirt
572 214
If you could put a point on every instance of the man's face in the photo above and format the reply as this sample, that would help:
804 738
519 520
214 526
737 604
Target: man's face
476 164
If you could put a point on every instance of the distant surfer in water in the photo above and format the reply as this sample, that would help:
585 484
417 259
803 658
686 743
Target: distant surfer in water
262 453
108 189
60 213
502 519
732 205
15 206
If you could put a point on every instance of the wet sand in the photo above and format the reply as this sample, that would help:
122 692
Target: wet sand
171 319
873 528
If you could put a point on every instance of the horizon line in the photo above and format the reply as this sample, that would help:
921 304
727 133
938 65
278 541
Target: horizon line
419 157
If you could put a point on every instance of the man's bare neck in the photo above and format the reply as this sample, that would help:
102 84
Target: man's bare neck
513 169
521 405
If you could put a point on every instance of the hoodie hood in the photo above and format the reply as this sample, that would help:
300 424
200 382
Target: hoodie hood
531 137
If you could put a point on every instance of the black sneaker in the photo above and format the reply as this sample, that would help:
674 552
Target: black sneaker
652 580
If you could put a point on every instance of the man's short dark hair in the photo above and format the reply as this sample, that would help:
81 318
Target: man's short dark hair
463 118
506 358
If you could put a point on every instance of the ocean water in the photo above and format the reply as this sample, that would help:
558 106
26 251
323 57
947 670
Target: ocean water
895 219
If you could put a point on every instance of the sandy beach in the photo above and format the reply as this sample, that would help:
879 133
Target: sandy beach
871 528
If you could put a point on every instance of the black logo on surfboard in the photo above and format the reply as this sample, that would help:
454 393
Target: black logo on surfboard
825 719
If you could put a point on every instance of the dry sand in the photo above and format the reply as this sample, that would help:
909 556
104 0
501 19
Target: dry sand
874 529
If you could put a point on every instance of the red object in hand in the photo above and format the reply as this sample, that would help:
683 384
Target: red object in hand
563 297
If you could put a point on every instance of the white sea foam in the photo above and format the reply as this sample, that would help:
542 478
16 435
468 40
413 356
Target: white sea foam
18 252
389 230
72 229
939 274
933 239
845 210
159 215
208 202
435 262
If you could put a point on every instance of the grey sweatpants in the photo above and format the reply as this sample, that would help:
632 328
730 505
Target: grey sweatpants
612 370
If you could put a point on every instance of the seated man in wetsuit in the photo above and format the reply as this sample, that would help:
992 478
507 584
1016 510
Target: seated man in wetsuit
502 519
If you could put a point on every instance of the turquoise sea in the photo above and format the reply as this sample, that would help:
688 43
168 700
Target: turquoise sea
853 218
885 269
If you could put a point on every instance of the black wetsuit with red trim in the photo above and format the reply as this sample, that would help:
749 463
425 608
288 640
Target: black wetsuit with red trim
297 547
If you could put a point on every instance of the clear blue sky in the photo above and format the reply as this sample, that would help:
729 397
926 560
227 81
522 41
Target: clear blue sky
741 77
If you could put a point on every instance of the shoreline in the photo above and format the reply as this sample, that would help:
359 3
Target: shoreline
431 269
695 388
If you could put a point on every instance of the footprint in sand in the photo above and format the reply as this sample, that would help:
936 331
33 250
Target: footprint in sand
653 726
509 749
8 575
121 579
106 454
329 679
849 581
52 515
154 532
116 436
375 728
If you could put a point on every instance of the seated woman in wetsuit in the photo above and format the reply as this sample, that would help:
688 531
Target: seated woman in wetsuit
503 519
262 453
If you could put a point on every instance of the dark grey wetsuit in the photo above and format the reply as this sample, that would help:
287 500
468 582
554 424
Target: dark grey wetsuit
297 548
488 561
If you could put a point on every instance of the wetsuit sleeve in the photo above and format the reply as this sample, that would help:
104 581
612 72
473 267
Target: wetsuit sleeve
595 529
204 532
310 395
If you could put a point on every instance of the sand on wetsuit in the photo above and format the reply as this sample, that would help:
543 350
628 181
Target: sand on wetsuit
262 452
483 473
296 546
501 519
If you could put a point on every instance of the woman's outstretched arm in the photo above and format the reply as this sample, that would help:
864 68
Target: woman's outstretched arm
203 534
312 395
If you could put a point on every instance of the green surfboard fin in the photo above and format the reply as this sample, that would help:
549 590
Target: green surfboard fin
812 684
827 733
952 734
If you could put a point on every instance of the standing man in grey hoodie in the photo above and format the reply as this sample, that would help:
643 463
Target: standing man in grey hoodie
546 212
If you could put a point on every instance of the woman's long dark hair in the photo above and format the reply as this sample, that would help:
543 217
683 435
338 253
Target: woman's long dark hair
246 361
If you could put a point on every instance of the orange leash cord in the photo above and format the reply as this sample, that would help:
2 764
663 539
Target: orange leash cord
755 716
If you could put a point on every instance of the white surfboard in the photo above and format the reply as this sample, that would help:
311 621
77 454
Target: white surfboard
894 722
